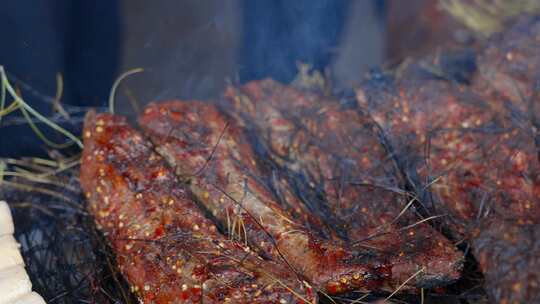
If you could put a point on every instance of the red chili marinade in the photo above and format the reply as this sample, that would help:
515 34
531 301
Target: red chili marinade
211 152
338 150
166 248
471 153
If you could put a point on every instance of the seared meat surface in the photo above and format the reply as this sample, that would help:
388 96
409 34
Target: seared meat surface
212 153
472 147
464 153
509 257
340 154
166 248
471 152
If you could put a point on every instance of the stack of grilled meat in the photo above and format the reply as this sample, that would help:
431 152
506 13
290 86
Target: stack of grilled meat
278 195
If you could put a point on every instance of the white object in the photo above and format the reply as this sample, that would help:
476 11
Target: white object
9 252
29 298
6 222
15 285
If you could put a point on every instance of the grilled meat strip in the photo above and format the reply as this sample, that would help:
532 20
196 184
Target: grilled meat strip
474 148
509 70
471 152
508 247
454 149
509 256
166 248
340 153
465 156
212 153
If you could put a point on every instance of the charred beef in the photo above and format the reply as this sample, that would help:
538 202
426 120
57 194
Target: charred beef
165 246
340 153
216 160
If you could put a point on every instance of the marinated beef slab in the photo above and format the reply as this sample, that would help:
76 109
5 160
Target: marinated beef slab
471 152
464 157
166 248
509 257
474 148
339 151
212 154
509 69
335 149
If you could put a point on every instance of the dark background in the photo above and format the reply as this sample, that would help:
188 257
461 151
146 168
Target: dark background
189 49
